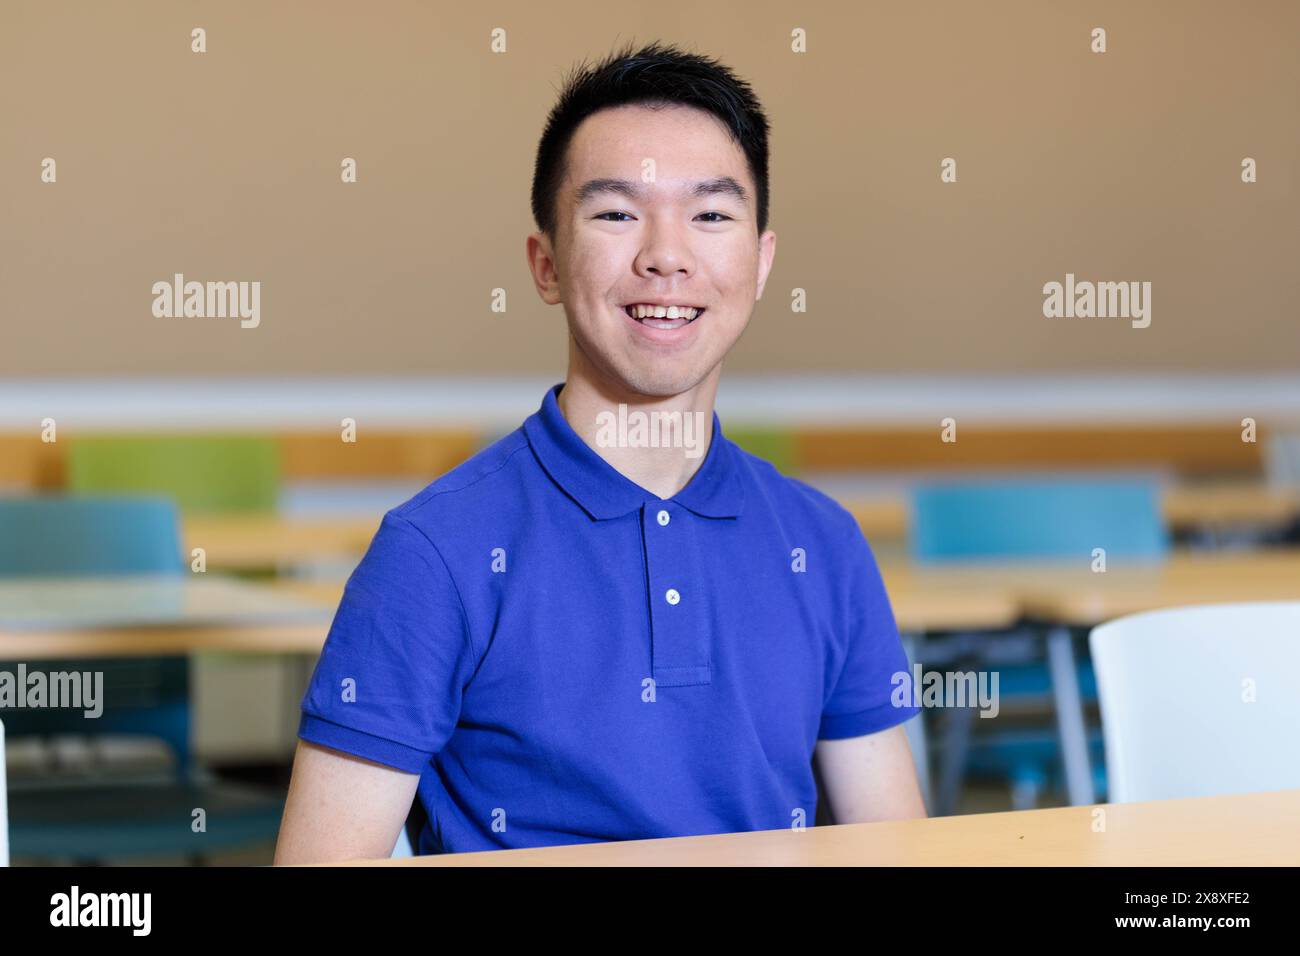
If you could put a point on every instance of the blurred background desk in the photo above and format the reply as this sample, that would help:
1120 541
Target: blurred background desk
49 618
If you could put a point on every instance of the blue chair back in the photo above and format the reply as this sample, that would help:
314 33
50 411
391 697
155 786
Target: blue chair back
1040 517
55 536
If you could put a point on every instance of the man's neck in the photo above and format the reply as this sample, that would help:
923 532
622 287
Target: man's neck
592 409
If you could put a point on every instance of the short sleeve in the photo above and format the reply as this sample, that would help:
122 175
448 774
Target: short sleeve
397 659
864 699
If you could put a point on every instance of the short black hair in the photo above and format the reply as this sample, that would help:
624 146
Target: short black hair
656 74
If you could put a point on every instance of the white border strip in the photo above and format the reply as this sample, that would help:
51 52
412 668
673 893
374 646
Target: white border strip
500 404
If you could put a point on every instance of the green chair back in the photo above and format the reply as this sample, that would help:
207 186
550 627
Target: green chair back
201 473
774 445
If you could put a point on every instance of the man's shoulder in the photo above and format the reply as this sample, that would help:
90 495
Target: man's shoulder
480 481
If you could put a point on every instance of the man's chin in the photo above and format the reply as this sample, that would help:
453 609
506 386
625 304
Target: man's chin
651 378
662 384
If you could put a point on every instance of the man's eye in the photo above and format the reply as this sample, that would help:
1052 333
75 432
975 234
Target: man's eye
604 214
723 216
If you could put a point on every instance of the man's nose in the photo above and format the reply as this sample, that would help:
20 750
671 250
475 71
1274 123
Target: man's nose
665 253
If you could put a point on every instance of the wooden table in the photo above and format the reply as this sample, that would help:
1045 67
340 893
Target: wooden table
243 543
1229 502
44 618
1261 829
1073 594
1082 599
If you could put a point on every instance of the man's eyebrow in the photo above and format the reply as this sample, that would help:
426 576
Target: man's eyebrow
594 187
722 185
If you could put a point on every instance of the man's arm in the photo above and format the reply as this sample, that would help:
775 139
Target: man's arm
341 807
871 777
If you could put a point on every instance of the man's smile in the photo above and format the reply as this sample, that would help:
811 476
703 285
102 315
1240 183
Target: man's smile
662 315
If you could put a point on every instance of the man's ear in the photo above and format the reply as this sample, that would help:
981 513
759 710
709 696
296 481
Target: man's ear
540 254
766 255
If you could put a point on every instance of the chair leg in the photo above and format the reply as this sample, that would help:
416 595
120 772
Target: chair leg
1069 716
1024 793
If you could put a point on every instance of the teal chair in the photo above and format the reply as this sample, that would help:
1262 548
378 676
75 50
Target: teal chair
59 536
90 818
1050 517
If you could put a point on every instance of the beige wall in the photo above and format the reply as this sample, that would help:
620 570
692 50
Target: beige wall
1122 166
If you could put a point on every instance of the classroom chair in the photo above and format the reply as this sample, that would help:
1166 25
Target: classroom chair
205 474
1049 517
1052 516
56 535
1200 701
99 815
1282 470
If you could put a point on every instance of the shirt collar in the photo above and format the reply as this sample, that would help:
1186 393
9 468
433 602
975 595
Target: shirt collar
715 491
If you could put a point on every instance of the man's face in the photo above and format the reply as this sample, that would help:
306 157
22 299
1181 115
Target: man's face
687 238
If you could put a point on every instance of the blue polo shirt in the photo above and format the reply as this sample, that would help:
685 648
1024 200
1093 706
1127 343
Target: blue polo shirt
565 657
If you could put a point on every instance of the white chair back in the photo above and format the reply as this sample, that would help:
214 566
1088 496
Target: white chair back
1282 459
1200 701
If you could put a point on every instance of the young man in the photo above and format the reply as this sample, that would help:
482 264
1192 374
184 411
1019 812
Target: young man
585 633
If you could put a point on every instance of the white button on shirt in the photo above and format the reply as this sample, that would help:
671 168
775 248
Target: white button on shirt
664 517
672 597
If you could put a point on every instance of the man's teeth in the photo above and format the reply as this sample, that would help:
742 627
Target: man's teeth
663 311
